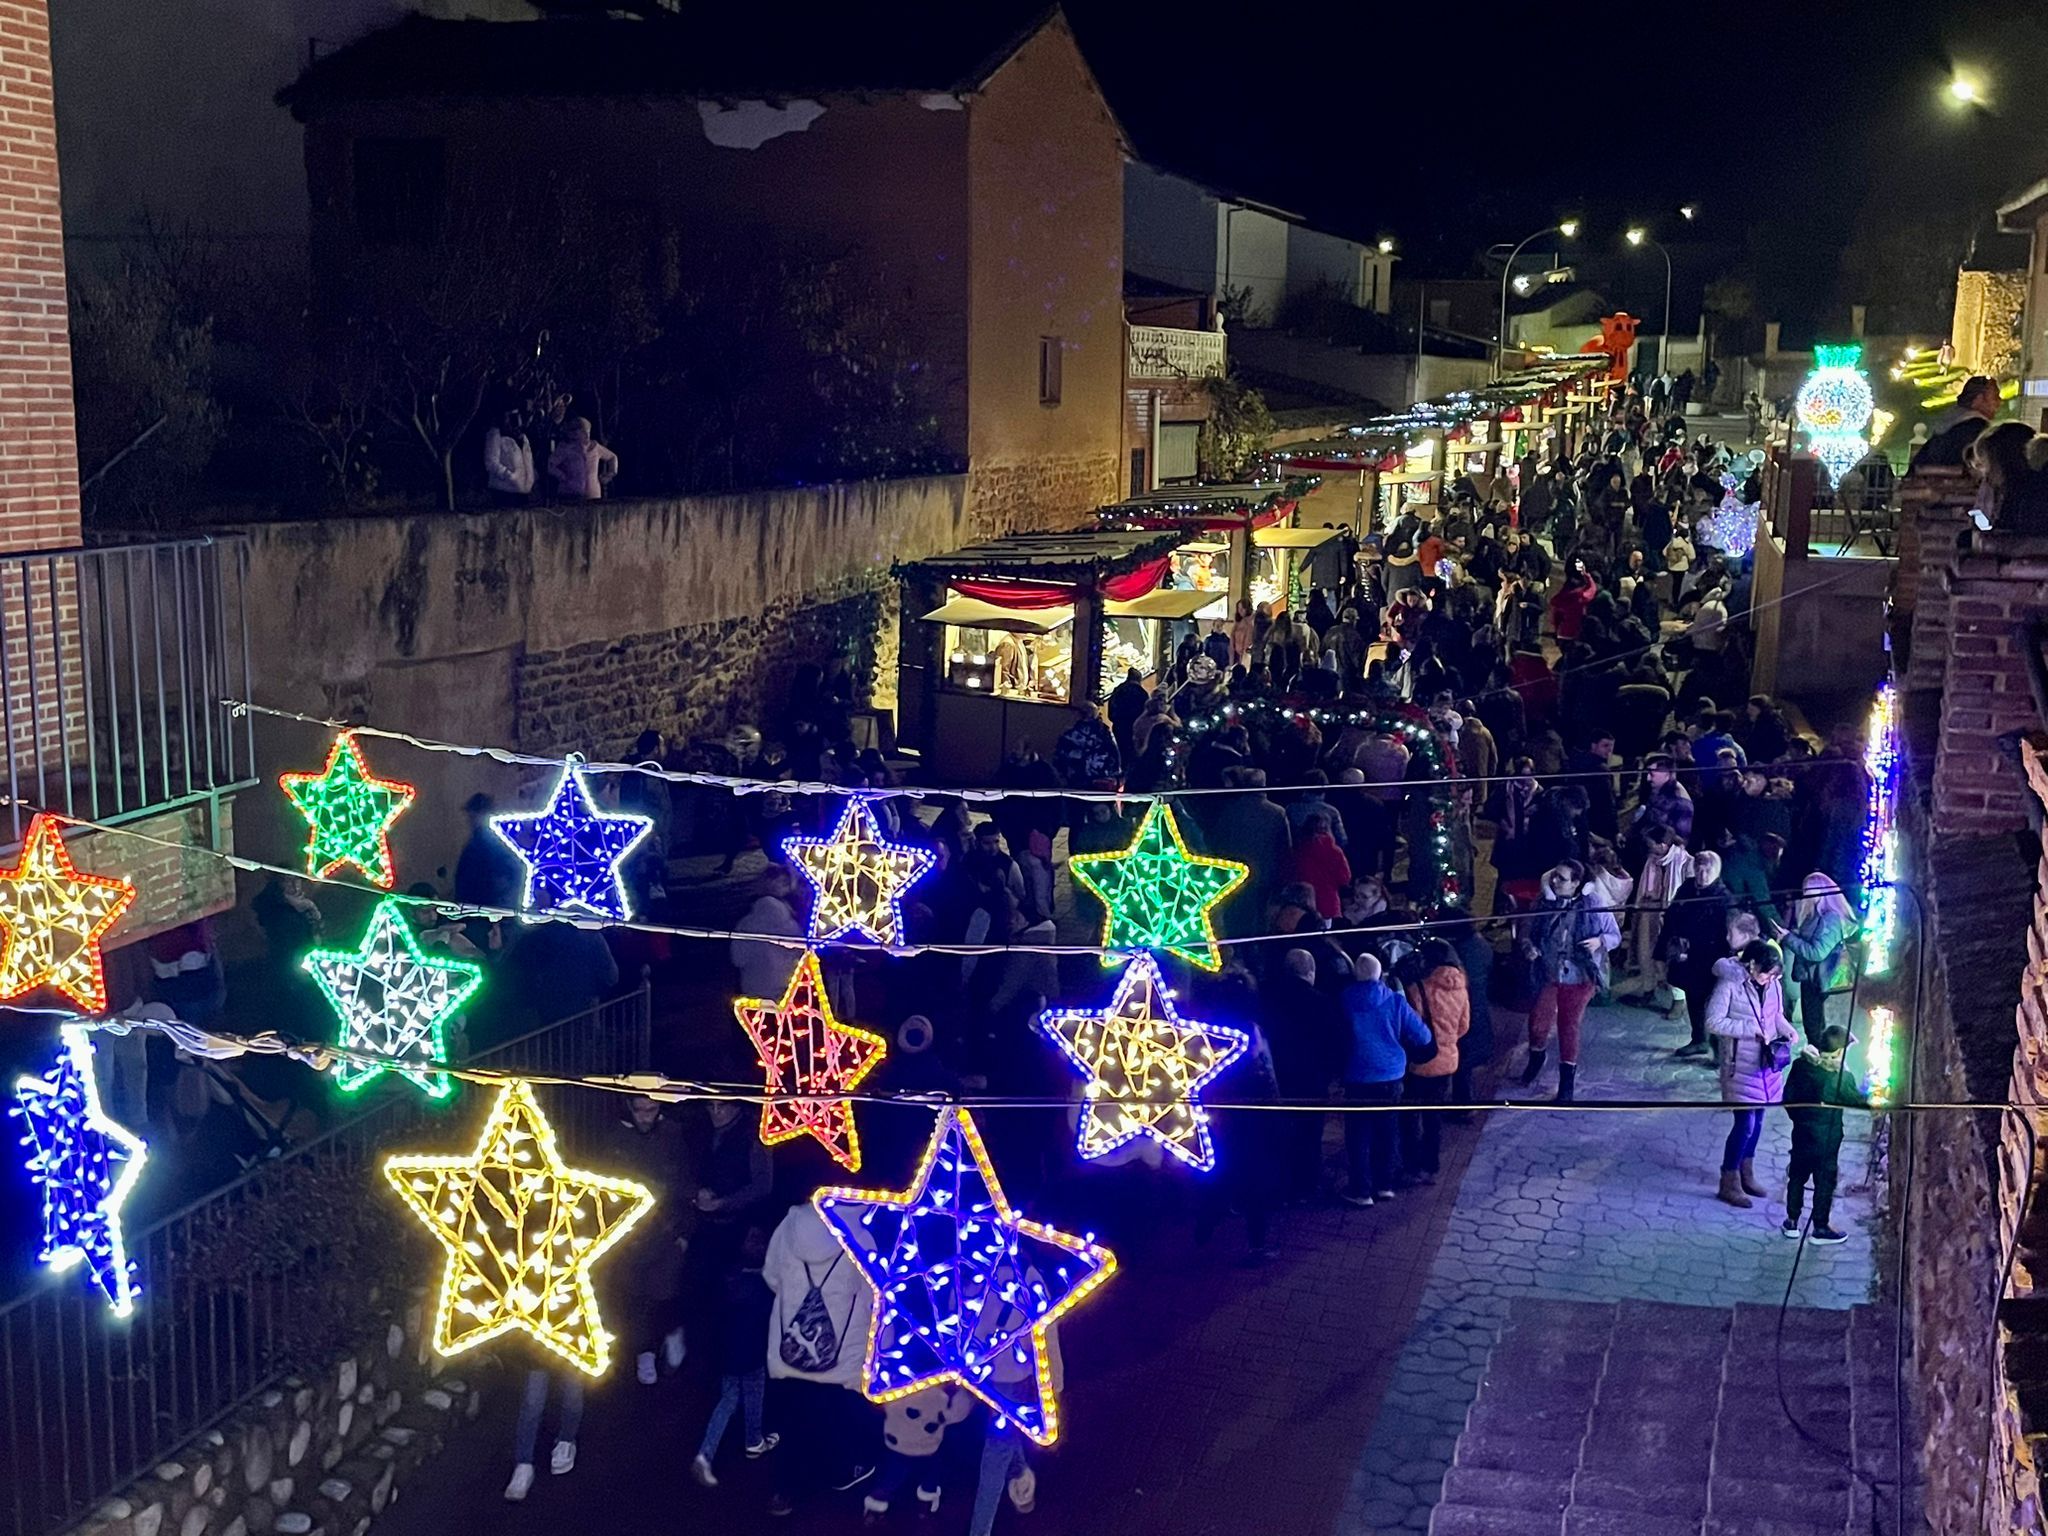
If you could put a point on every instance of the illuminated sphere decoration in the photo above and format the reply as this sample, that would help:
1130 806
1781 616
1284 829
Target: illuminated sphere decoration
522 1230
1145 1064
85 1165
1835 405
967 1290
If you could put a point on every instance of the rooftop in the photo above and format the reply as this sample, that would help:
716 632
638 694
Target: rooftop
719 52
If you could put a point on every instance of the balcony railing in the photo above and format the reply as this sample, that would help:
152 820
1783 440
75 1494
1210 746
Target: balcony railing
1165 352
112 663
236 1291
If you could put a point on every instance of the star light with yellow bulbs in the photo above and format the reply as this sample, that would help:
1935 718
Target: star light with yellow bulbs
55 919
1145 1066
522 1230
860 877
804 1048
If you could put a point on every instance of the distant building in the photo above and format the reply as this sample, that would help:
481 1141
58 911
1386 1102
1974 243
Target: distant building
968 167
1174 344
1182 232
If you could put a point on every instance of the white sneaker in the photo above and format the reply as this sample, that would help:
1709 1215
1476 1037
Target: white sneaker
522 1482
672 1349
764 1445
645 1368
700 1469
563 1461
1024 1491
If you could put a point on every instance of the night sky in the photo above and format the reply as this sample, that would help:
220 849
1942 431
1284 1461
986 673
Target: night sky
1454 127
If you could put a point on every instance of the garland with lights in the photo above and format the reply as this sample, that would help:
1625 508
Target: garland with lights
1883 764
1405 722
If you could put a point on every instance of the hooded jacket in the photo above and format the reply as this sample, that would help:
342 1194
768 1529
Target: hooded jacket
1741 1017
1446 1007
822 1338
1563 924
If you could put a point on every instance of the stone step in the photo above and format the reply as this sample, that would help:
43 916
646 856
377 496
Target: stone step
1480 1520
1775 1498
1664 1497
1514 1452
1552 1425
1581 1521
1494 1489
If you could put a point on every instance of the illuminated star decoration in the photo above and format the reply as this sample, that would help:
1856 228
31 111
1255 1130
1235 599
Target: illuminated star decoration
802 1046
348 813
86 1165
1145 1064
859 876
393 999
55 918
966 1289
522 1230
1157 894
572 850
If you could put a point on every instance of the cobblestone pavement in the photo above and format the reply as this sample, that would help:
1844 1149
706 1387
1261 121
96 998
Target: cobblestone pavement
1597 1206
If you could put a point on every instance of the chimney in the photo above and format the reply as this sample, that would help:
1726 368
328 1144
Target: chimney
1858 313
1771 328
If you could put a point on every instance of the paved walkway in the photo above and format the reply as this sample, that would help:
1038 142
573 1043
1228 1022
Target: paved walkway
1596 1206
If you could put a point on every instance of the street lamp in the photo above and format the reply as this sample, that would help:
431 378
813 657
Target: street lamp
1638 237
1568 228
1965 89
1688 211
1386 247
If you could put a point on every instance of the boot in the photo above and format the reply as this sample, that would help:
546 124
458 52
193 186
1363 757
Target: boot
1534 1069
1567 1080
1749 1183
1731 1193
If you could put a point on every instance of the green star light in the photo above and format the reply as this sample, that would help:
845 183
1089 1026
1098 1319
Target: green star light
1157 894
349 813
393 999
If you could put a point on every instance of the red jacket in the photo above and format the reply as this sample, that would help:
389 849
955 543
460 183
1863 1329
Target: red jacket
1319 861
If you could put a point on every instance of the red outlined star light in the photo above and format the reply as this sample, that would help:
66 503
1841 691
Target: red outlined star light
804 1048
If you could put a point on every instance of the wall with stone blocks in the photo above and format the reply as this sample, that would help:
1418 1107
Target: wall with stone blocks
310 1457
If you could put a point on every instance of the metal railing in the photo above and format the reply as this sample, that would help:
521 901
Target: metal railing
231 1296
111 663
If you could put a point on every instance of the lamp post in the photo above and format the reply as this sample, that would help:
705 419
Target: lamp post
1640 236
1568 228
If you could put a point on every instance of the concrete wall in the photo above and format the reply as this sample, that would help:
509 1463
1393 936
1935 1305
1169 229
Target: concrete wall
1314 257
1820 627
1046 209
553 629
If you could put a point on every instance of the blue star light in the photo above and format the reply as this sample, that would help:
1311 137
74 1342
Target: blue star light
966 1290
86 1165
572 850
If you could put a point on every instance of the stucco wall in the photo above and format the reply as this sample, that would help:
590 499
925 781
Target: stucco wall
1045 199
550 629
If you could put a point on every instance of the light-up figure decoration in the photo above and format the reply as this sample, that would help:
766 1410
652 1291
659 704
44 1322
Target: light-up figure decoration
1835 405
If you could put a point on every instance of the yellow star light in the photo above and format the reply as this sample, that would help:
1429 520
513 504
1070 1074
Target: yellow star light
55 918
802 1045
522 1230
1145 1065
1158 895
860 877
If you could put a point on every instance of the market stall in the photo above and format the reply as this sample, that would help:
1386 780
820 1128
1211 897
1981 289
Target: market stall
1225 551
1000 641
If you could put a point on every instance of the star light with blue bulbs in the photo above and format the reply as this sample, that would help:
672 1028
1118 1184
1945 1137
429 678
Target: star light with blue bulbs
966 1289
86 1164
1145 1066
573 851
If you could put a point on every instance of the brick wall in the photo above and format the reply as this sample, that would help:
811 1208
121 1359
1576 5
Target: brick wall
1934 506
39 471
173 884
1993 587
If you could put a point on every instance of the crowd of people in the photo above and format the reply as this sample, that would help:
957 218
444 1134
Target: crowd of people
1610 829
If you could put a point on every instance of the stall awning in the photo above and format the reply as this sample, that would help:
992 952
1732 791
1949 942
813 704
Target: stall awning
1293 538
972 613
1209 506
1166 603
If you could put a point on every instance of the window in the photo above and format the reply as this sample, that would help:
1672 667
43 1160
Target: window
1138 485
401 187
1048 370
1178 458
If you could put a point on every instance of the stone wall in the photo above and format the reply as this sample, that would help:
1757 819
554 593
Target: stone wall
549 628
309 1457
1986 321
1041 494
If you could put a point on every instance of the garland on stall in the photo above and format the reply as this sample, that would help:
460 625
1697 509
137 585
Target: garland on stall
1407 724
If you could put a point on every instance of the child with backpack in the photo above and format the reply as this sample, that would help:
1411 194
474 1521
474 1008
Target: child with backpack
743 1315
817 1340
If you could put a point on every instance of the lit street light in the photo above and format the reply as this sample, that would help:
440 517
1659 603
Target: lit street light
1688 212
1386 247
1965 90
1639 237
1568 228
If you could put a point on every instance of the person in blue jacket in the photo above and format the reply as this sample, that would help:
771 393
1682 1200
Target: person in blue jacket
1386 1035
